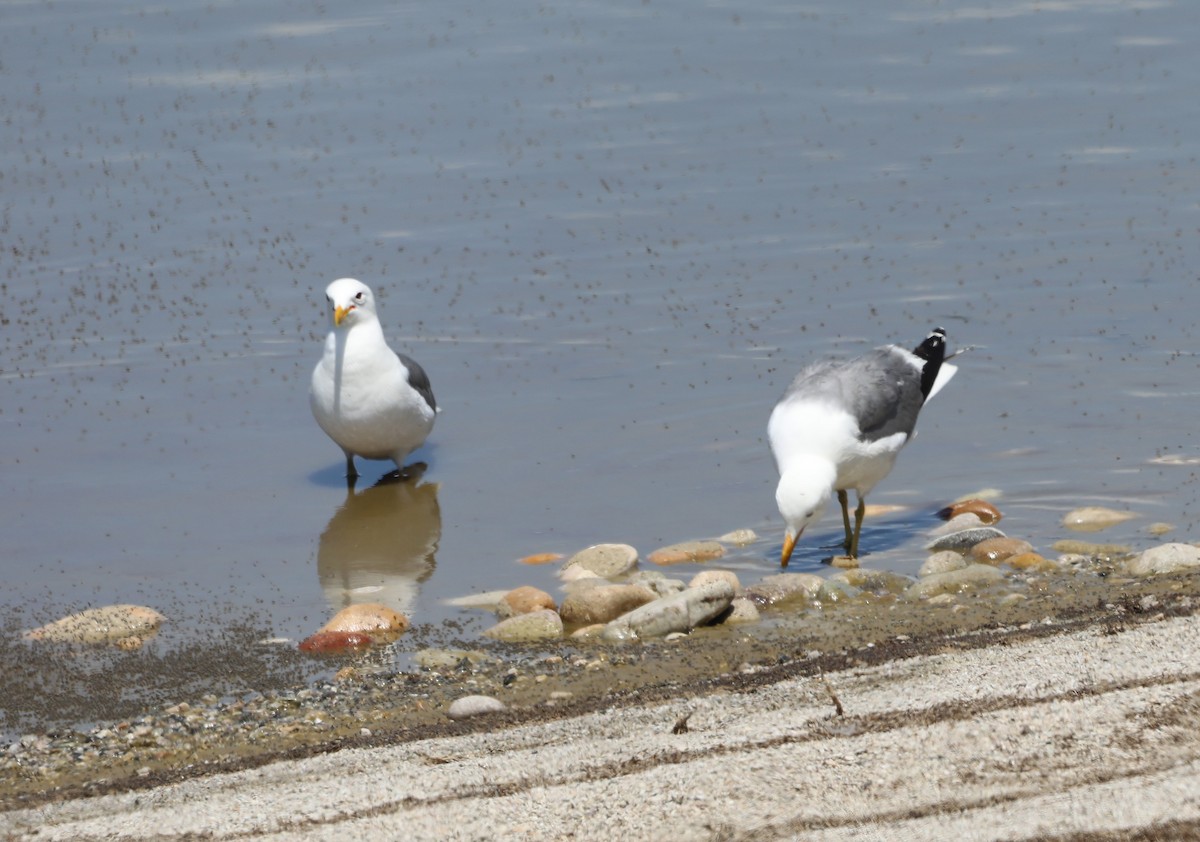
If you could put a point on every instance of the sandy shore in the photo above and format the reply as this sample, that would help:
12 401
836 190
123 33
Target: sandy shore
1090 733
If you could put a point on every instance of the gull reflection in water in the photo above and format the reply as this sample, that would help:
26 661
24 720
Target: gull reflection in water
381 544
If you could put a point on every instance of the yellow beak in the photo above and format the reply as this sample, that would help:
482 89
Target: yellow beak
339 313
789 542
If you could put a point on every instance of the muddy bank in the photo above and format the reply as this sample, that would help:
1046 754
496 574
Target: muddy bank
365 705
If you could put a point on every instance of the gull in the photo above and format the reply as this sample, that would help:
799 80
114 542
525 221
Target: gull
372 401
840 426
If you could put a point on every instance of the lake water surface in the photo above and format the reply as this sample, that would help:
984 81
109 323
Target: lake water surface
611 233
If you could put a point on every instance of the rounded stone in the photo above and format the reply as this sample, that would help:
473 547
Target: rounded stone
875 581
942 562
705 576
970 577
782 587
1030 561
469 706
687 551
107 624
964 539
739 537
1165 558
1094 518
982 509
996 550
654 580
335 641
525 599
367 617
540 558
605 560
742 610
525 628
603 603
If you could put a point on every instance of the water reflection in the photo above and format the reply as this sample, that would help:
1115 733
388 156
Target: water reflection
381 544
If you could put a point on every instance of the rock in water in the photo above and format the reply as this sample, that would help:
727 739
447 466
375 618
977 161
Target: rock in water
679 612
370 618
605 560
108 624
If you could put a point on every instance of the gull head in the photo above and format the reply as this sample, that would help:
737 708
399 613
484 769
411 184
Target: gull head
351 300
803 493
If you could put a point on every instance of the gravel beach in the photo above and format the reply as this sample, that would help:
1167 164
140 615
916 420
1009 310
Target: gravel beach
1077 726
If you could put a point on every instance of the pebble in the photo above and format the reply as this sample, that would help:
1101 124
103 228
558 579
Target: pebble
739 537
540 558
679 612
781 587
984 511
369 617
687 551
1030 561
942 562
605 560
579 574
964 539
996 550
469 706
657 582
107 624
705 576
1165 558
1160 528
834 590
440 659
1089 549
844 562
524 628
955 581
1094 518
742 610
602 603
875 581
958 523
335 641
523 600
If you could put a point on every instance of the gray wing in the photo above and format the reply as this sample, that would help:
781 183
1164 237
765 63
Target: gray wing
880 390
419 380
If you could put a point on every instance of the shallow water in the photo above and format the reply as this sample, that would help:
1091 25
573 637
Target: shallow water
610 233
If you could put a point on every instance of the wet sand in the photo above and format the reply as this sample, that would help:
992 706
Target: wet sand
1046 719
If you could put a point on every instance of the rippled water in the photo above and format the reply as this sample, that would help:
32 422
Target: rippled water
610 232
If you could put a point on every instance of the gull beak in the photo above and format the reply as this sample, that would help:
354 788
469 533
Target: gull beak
339 313
789 542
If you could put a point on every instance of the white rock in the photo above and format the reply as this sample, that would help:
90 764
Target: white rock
784 586
1094 518
942 562
469 706
706 576
679 612
742 610
606 560
1165 558
487 601
523 628
739 537
107 624
953 581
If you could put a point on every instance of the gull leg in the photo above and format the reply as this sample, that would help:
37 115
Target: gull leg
847 544
351 471
858 519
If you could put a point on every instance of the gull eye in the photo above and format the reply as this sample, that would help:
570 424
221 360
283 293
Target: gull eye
360 296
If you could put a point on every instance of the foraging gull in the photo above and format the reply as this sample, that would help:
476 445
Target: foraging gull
373 402
840 425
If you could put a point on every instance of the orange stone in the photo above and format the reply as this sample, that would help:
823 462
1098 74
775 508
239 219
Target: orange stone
525 599
540 558
1030 561
334 641
982 509
996 550
369 617
687 551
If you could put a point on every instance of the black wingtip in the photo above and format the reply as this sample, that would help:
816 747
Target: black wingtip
932 351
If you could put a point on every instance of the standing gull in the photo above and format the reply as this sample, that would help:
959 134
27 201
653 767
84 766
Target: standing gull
372 401
840 425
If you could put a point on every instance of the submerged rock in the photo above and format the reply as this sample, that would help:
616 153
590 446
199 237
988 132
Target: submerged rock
781 587
107 624
524 628
739 537
687 551
679 612
1166 558
942 562
1094 518
605 560
963 540
996 550
955 581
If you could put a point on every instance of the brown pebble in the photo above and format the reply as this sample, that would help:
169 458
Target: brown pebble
334 641
996 550
985 511
525 599
540 558
1030 561
687 551
367 617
